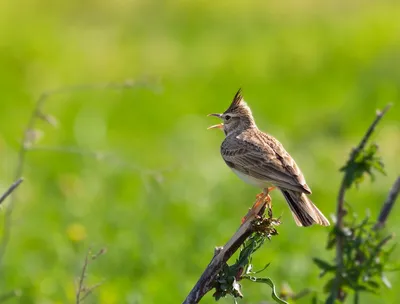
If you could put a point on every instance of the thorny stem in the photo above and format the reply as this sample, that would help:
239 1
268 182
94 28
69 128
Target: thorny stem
340 211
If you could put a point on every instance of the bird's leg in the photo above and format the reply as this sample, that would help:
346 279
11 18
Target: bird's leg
268 199
262 199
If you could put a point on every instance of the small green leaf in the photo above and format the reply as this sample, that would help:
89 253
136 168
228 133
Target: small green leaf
328 285
265 267
364 288
324 265
386 281
364 162
271 284
373 284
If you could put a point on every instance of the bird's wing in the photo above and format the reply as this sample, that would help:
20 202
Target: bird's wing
264 158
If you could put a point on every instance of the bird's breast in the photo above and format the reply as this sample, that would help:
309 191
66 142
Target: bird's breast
251 180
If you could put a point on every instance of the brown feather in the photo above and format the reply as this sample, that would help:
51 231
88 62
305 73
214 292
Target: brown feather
263 157
259 159
304 212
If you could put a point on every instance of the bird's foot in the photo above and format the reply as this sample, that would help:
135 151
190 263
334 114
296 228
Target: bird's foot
268 199
270 189
263 200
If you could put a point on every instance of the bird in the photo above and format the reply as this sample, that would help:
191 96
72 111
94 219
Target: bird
259 159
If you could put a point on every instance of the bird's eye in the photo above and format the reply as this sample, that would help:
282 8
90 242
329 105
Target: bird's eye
227 117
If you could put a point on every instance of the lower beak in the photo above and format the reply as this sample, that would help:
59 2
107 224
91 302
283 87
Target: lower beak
219 126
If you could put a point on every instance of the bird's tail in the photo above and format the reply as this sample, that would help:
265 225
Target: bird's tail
305 213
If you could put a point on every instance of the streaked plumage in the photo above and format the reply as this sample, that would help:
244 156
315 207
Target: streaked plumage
259 159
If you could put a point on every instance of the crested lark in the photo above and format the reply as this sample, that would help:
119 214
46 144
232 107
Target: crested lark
260 160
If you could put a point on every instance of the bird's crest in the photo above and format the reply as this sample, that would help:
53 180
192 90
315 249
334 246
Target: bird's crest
239 106
237 101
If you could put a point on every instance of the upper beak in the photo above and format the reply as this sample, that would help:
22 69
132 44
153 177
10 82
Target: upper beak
219 126
215 114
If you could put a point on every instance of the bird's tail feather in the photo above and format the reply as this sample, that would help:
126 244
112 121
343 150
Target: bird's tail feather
305 213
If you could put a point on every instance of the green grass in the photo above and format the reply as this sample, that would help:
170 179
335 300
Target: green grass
313 73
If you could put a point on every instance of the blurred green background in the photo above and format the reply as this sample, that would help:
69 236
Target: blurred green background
135 170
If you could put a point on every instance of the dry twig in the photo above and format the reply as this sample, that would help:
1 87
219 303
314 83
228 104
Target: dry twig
11 189
222 255
82 291
388 205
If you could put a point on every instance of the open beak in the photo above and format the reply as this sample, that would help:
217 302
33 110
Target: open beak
218 126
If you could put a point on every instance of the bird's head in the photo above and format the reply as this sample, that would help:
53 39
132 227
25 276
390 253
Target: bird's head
237 117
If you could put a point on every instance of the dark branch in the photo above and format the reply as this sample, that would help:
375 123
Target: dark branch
388 205
11 189
340 211
222 255
206 281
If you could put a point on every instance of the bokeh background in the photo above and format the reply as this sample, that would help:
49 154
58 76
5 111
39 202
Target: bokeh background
132 168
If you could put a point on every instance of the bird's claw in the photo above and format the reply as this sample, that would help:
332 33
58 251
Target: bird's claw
263 200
